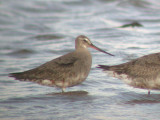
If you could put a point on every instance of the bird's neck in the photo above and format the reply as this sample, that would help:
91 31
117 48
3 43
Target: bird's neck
81 48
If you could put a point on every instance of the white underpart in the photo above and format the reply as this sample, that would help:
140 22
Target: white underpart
158 81
123 77
46 82
68 81
78 79
151 83
61 84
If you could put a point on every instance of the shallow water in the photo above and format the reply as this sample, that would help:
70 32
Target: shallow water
35 31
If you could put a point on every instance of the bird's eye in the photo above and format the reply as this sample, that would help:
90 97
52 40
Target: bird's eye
86 40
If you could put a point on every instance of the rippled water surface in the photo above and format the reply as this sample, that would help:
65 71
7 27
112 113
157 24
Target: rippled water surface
35 31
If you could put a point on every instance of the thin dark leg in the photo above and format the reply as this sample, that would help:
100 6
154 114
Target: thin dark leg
63 90
149 92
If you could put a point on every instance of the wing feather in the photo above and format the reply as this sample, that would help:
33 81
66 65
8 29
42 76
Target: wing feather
55 69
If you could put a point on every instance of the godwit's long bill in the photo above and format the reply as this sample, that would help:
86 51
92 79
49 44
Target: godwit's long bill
65 71
143 72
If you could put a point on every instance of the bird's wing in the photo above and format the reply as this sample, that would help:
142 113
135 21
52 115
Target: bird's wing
56 69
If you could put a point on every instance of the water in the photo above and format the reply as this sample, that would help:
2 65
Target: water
35 31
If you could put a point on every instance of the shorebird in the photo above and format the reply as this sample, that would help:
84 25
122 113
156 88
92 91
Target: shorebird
65 71
143 72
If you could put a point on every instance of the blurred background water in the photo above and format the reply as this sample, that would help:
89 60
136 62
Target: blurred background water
33 32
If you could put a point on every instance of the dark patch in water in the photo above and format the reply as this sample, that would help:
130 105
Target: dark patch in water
129 57
132 24
134 98
142 102
60 51
70 93
23 53
36 27
1 60
48 37
135 48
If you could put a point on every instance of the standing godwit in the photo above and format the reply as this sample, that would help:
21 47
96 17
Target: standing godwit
143 72
65 71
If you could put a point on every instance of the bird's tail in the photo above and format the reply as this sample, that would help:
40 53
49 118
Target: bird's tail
115 71
104 67
18 76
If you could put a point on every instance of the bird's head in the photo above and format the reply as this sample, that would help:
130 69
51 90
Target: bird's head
84 42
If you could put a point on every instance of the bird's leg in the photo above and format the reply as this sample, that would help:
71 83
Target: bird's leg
149 92
63 87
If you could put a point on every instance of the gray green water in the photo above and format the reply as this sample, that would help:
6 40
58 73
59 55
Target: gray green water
35 31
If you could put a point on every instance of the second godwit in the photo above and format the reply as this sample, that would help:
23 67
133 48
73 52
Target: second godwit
143 72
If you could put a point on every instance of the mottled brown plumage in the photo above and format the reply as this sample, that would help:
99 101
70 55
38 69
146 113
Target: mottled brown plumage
65 71
143 72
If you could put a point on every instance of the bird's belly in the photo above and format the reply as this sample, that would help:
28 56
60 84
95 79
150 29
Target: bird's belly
144 83
47 82
123 77
71 81
154 83
138 82
79 78
76 76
